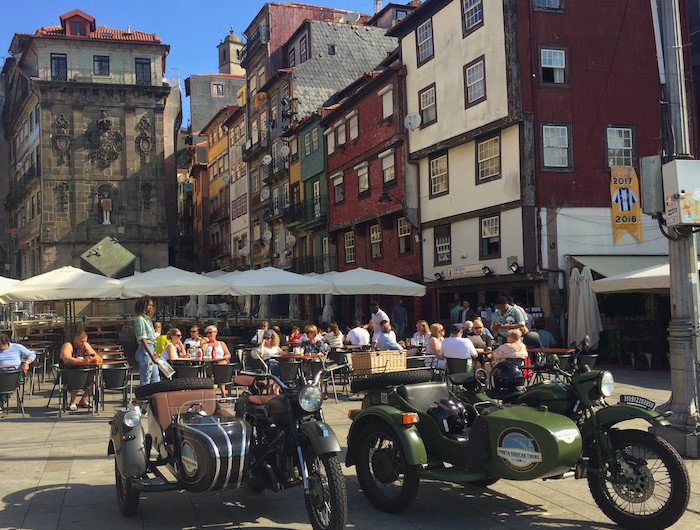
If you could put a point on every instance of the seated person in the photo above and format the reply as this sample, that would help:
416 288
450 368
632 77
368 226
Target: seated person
161 339
358 335
333 337
513 349
193 343
479 338
158 329
546 338
385 339
257 338
313 343
283 340
434 346
457 347
175 349
13 355
216 349
78 354
294 336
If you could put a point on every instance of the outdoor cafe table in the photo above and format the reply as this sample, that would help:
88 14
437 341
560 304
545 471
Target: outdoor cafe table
302 356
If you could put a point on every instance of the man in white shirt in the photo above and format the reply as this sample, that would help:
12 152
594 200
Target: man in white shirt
257 339
378 315
357 336
457 347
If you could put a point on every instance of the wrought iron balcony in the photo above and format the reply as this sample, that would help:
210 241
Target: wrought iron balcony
18 189
219 214
258 38
293 214
260 143
315 212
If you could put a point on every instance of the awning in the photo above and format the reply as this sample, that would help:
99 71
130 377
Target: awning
614 265
647 280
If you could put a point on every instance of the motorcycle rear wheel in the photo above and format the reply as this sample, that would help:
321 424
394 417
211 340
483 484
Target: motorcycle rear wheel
658 478
127 497
327 501
379 472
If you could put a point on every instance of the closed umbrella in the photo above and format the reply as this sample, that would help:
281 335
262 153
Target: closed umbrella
327 314
589 307
574 280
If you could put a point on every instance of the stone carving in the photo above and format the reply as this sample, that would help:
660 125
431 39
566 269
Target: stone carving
144 140
61 191
61 137
106 205
104 143
146 192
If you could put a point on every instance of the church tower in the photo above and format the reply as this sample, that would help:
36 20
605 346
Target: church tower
230 55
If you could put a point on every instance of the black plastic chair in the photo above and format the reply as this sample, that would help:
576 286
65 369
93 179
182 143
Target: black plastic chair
289 370
184 371
456 366
223 374
72 380
115 378
589 359
10 382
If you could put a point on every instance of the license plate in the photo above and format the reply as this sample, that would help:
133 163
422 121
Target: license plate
639 401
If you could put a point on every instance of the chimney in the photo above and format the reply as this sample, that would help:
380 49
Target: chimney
377 6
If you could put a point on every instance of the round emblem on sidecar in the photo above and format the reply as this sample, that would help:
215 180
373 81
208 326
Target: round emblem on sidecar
188 457
519 450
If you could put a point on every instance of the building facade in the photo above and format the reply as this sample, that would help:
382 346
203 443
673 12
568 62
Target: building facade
239 224
83 118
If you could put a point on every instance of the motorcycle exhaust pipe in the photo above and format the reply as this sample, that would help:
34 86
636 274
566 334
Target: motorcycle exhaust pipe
568 474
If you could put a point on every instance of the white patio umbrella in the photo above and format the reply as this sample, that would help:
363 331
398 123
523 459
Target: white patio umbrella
327 314
572 314
364 281
589 308
171 281
271 281
65 283
6 284
648 279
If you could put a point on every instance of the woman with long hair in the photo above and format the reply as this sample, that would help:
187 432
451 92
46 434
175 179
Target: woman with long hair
434 345
334 336
145 308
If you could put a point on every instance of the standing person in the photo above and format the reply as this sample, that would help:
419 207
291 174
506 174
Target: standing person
527 317
78 354
466 313
505 318
375 321
455 312
358 335
145 308
399 317
457 347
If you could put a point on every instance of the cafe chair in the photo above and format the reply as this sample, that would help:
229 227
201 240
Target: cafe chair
71 380
337 363
289 370
223 374
184 371
115 378
9 384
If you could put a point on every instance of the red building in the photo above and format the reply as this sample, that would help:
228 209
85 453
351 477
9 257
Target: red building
365 166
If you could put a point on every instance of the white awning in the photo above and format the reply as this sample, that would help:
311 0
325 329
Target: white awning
649 279
612 265
364 281
271 280
65 283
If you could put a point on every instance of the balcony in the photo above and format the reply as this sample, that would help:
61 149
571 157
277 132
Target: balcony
219 214
258 143
115 76
315 213
18 189
258 38
317 264
218 250
293 214
303 264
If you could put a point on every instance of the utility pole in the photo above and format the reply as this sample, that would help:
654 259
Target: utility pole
684 329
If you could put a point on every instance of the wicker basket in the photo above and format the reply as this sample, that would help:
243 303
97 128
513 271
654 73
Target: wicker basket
377 362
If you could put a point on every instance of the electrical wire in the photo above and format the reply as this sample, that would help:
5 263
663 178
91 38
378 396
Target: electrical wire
666 234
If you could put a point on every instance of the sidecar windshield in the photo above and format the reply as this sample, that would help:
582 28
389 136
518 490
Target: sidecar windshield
207 411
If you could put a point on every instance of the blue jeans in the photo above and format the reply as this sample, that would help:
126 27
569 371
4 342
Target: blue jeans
148 370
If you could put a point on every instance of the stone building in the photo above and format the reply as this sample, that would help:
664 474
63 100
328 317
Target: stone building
83 118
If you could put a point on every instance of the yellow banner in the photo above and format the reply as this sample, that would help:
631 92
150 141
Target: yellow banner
625 203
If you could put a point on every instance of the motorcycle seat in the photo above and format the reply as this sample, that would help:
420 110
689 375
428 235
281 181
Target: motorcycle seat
258 400
421 396
506 396
461 379
165 405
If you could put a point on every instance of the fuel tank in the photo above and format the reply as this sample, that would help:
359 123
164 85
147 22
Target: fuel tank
525 443
556 396
213 451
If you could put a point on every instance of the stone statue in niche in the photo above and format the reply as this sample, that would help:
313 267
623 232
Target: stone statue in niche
61 138
144 141
104 143
106 206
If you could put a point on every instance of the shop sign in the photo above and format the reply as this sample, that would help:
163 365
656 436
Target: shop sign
465 271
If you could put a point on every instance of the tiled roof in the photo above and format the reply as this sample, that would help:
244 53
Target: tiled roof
102 33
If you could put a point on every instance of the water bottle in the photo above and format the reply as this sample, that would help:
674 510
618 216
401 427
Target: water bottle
208 352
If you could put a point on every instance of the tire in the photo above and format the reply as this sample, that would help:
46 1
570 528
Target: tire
605 493
142 392
484 482
388 501
127 497
379 381
328 506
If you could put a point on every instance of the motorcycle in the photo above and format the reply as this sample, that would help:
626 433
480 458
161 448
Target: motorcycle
262 441
405 432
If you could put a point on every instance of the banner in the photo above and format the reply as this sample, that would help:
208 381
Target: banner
625 206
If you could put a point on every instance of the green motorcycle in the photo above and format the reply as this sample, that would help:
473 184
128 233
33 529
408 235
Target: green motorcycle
401 434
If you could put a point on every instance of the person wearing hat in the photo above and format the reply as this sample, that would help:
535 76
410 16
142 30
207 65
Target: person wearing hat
457 347
267 349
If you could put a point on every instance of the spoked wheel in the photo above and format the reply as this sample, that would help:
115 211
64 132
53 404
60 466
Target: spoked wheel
127 497
652 489
389 482
327 500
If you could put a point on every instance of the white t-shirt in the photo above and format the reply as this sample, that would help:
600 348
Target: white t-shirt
458 348
377 318
266 351
333 340
358 336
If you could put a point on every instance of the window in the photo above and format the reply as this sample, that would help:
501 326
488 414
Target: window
275 157
59 67
490 237
488 159
548 4
303 50
31 120
427 105
314 138
553 66
439 183
255 180
261 77
349 247
424 42
620 145
341 133
143 71
375 238
338 189
285 195
100 64
37 115
442 245
294 147
474 83
353 126
387 95
555 146
362 179
388 174
217 90
400 14
254 131
472 15
330 141
307 144
331 49
403 230
273 110
276 201
292 57
253 85
77 29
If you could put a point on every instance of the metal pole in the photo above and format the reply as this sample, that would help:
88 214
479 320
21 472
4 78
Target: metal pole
684 337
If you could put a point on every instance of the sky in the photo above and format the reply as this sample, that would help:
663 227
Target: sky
192 28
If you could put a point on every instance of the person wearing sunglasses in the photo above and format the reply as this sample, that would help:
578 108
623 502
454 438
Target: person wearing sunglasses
175 348
215 350
78 354
194 342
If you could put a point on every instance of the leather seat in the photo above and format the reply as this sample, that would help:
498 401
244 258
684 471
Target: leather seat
422 396
462 379
259 400
507 396
165 405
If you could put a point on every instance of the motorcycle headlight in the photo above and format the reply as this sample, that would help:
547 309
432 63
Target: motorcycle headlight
310 398
606 383
132 418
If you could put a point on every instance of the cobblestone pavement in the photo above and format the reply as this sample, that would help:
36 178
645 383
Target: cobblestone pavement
55 474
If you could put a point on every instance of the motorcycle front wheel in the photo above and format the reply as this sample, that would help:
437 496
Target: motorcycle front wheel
327 500
127 497
653 487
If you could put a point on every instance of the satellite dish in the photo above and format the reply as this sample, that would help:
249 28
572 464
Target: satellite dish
245 252
290 240
267 236
267 160
264 193
284 151
350 18
412 121
227 178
